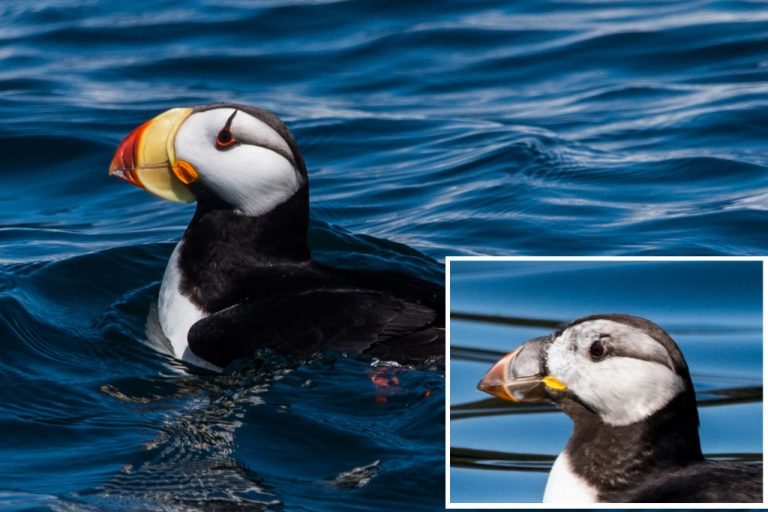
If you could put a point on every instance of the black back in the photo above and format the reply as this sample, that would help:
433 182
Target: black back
706 482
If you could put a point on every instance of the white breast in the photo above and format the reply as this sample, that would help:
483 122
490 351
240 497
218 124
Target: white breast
177 314
565 486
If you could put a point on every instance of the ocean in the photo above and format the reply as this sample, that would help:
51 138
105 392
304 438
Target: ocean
429 129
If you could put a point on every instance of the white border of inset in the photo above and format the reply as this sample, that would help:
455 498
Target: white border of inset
501 506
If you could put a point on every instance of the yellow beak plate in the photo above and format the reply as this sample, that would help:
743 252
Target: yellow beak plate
147 158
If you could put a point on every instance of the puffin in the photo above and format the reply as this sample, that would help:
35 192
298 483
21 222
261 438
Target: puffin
626 386
242 277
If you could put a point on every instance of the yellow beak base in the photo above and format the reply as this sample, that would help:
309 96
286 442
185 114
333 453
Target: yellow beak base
553 383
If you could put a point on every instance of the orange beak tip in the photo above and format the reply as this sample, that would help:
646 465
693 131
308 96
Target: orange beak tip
124 174
497 391
124 159
502 382
493 381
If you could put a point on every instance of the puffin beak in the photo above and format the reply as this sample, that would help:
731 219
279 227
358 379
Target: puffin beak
146 158
520 377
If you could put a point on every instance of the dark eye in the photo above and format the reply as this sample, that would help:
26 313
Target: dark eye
596 350
225 138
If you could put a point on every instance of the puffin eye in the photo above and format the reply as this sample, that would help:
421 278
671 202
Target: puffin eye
596 350
225 138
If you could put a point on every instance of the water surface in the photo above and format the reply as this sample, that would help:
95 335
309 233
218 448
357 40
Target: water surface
468 127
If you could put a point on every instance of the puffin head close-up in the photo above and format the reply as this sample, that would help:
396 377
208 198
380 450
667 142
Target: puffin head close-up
619 367
625 384
236 155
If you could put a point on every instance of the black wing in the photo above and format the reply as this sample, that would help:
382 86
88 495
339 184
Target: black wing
706 482
304 323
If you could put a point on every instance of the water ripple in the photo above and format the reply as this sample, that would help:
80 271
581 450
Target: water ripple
552 127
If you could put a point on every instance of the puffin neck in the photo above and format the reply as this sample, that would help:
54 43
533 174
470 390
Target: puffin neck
614 459
221 247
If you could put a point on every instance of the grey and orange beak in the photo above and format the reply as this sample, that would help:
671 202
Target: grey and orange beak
520 376
146 158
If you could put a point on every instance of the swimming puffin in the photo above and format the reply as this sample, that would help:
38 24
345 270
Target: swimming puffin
626 386
242 277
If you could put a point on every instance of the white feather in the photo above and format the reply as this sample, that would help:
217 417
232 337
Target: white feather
623 390
565 486
177 314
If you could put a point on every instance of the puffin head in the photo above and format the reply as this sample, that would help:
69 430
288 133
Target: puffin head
620 367
226 156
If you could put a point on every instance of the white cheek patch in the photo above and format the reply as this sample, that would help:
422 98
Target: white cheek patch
254 179
622 390
625 390
250 130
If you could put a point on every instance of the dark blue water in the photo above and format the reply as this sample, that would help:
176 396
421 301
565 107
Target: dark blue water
502 452
478 127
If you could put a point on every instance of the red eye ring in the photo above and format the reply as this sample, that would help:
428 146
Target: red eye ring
225 138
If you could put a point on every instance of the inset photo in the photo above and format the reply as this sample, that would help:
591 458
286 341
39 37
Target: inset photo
580 381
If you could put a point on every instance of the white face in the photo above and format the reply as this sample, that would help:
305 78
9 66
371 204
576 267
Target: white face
631 380
254 175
